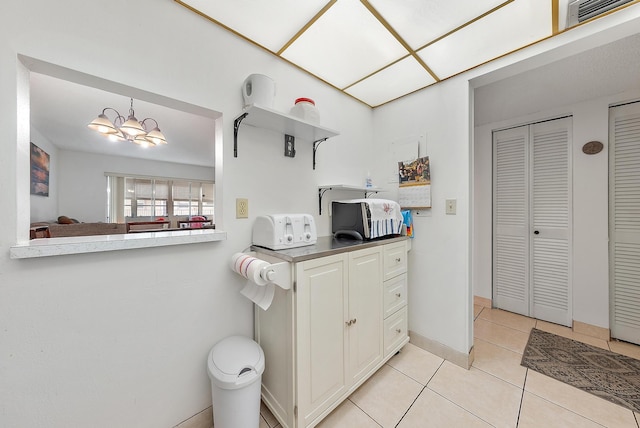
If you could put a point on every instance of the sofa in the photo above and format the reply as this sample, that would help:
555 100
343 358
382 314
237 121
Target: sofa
84 229
65 228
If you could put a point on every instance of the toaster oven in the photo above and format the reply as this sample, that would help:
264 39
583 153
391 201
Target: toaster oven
365 219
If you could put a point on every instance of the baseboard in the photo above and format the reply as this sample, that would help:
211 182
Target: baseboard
456 357
591 330
482 301
204 419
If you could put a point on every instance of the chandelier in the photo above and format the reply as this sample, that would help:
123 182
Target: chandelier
128 130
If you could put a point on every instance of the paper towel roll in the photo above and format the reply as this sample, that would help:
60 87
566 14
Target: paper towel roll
260 295
249 267
257 289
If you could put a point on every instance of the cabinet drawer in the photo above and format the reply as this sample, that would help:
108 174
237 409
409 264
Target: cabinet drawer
395 330
395 294
395 259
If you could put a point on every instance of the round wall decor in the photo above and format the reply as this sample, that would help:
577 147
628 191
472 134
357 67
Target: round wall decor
592 147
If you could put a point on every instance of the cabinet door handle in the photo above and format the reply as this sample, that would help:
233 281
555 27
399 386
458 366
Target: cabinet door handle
348 322
353 321
398 330
398 259
398 295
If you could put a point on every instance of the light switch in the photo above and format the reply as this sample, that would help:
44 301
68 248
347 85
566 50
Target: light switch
450 206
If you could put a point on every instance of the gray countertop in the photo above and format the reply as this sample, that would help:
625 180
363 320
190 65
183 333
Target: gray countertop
324 246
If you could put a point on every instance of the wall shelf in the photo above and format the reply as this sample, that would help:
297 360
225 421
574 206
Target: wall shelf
323 189
262 117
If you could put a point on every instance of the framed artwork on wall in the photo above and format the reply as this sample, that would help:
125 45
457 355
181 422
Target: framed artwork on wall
39 171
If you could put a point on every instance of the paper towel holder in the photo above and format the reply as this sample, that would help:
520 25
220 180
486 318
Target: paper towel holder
276 273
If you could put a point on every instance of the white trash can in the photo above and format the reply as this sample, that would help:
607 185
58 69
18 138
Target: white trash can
235 367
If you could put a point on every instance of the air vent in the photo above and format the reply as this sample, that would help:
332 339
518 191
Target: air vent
581 10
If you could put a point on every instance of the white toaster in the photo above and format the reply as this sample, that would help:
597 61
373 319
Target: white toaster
282 231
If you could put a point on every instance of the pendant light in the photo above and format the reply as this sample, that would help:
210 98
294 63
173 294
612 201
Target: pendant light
128 130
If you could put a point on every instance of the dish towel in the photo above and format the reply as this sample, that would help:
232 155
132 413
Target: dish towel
386 217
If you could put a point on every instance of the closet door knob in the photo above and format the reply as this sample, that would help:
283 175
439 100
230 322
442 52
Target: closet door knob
536 232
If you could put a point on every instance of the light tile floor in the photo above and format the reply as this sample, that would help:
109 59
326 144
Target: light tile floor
417 389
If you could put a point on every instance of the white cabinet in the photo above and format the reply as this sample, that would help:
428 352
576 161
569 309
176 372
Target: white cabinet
338 325
322 334
365 307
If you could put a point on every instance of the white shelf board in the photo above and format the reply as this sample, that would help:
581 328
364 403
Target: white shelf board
267 118
349 187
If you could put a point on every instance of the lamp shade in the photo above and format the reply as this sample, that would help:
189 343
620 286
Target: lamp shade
132 127
117 137
143 141
156 136
103 125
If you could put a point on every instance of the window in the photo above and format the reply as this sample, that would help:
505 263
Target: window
153 198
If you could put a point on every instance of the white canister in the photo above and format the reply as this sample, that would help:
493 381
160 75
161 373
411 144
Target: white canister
258 89
305 109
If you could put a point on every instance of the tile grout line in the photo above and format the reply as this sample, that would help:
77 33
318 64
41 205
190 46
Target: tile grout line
498 346
411 405
363 411
426 386
522 397
459 406
421 391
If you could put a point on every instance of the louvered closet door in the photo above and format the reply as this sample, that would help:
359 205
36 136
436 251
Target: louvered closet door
624 221
550 193
511 220
532 220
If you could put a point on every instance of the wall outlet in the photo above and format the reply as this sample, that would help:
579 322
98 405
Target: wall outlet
242 208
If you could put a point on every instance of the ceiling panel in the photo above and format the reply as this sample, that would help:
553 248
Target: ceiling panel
368 48
346 44
269 23
419 22
385 85
509 28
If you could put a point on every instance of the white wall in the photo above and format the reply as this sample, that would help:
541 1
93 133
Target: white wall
439 304
44 208
121 338
82 183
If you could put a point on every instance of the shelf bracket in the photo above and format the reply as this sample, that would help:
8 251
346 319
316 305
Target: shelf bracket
315 147
321 193
368 193
236 126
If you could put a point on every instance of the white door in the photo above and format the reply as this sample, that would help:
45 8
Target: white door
624 221
365 312
532 220
321 334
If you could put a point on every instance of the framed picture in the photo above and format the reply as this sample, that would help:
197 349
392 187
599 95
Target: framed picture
39 171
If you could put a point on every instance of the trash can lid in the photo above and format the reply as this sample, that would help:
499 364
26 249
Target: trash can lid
235 361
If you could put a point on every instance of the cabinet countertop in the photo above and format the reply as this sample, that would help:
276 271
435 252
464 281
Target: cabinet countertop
325 246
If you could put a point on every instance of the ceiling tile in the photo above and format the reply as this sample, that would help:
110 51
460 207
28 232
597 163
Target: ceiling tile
271 23
399 79
509 28
419 22
346 44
